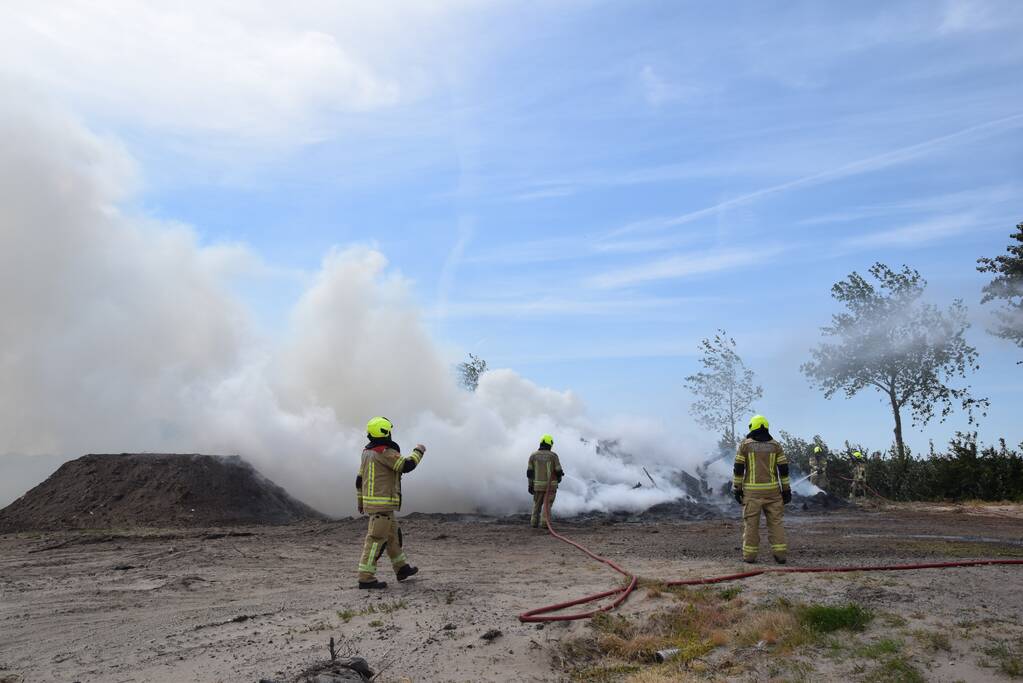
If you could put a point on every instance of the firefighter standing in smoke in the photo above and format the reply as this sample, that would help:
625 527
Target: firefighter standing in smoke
819 468
378 488
761 484
859 487
544 474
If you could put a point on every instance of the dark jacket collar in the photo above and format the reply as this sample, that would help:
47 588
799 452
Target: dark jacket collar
759 434
377 442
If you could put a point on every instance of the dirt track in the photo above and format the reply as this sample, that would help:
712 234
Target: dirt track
205 606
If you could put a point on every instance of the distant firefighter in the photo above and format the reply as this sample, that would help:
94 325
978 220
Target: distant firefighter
761 484
544 474
378 487
859 485
819 468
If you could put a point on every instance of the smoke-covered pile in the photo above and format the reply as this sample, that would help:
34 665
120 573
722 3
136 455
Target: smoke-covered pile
121 333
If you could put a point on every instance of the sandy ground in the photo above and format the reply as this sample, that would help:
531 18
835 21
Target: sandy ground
205 606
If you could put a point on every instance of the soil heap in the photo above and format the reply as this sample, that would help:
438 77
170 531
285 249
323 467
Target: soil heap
153 490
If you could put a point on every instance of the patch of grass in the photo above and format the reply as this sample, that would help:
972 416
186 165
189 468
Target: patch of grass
772 627
828 618
895 670
1008 657
376 623
879 648
727 594
612 624
934 640
347 615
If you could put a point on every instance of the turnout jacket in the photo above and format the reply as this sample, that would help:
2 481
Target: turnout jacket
378 484
761 468
544 469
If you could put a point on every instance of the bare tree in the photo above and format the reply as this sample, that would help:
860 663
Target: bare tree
1007 285
725 389
470 371
891 341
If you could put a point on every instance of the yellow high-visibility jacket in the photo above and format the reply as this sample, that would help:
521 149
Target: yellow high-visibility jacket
544 469
378 485
761 468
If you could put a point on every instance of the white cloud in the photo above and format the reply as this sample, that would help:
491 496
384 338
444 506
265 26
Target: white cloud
224 67
866 165
916 234
680 266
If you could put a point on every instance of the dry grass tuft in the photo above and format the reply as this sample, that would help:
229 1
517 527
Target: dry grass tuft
772 626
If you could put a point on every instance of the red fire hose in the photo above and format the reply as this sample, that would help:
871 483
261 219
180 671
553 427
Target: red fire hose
540 614
543 614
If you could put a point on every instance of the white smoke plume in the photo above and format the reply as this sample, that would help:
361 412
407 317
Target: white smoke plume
120 334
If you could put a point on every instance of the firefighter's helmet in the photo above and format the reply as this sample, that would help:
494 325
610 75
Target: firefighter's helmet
758 421
379 427
547 440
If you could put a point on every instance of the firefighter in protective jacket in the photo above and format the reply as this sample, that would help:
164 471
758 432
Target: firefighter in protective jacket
378 491
761 484
544 474
819 467
859 486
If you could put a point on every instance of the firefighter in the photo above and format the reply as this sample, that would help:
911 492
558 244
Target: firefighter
761 485
378 491
859 487
819 468
544 474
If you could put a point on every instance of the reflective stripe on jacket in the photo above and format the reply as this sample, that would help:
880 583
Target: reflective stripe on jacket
545 466
380 473
760 459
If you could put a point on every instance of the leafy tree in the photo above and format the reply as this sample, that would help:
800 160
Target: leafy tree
725 389
469 372
1008 285
891 341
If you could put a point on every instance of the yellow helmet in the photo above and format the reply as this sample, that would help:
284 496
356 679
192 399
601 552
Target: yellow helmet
379 427
817 449
547 440
857 455
758 421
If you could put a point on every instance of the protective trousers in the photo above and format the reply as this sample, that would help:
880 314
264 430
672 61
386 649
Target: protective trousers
538 498
382 535
773 508
859 487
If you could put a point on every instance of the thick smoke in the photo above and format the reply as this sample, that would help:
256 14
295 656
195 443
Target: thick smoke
120 333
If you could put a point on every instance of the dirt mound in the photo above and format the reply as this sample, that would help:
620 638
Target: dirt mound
153 490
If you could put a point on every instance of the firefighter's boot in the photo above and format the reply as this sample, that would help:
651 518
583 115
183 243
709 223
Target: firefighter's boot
406 571
372 585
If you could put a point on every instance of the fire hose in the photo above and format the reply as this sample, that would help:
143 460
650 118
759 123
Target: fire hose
543 614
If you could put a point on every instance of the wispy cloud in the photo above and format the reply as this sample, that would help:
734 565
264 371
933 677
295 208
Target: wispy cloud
916 234
527 307
861 166
953 201
681 266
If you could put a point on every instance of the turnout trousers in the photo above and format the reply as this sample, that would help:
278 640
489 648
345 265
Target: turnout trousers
772 507
538 497
381 536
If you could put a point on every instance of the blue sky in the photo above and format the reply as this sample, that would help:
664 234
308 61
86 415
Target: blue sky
580 190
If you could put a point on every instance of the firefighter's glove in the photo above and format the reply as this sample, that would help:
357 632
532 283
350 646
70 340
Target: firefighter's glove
421 448
530 489
738 495
786 496
360 508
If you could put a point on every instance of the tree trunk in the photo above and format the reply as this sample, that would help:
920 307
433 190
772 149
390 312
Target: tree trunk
897 413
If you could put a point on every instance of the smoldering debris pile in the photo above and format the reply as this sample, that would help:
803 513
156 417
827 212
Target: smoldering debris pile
153 490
